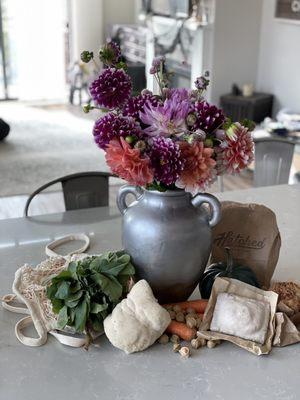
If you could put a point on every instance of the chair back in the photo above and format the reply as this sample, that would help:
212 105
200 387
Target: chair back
273 160
85 191
80 190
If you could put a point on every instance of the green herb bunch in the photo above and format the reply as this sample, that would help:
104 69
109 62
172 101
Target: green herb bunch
88 290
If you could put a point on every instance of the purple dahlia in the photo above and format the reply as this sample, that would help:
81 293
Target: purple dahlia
136 104
165 160
208 117
112 126
112 88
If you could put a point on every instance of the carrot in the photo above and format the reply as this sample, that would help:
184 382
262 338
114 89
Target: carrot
180 329
198 305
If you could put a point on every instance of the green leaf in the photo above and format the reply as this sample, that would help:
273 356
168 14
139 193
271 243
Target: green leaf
62 318
71 313
128 270
111 287
71 303
64 275
72 267
51 290
96 308
57 305
75 287
81 316
97 325
63 290
75 296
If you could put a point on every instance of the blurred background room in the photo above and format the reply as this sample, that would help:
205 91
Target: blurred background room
250 48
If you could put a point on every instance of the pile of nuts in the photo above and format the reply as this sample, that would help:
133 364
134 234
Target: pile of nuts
192 320
188 316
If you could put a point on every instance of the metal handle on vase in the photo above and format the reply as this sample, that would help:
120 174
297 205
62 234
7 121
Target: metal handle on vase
123 192
214 204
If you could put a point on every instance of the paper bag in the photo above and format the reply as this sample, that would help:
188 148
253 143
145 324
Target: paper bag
227 285
251 232
286 332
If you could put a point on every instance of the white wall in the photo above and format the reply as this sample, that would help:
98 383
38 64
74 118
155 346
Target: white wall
86 22
235 45
118 12
279 59
91 19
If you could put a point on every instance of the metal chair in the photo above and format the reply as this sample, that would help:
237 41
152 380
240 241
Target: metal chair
80 190
273 160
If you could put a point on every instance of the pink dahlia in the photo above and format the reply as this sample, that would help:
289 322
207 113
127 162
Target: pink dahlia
112 88
114 126
236 151
128 163
136 104
198 171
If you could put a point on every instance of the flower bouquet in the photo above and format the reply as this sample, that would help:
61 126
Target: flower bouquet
166 141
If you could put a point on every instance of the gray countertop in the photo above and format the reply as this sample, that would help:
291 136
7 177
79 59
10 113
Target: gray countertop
56 371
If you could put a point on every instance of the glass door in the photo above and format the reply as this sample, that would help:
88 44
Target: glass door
8 73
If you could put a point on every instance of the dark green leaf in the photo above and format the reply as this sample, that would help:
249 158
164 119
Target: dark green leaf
75 296
71 303
95 308
71 313
81 316
111 287
63 290
97 325
128 270
62 318
75 287
57 305
64 275
51 290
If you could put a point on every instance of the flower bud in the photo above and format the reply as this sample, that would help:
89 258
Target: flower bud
220 134
86 108
140 145
110 54
191 119
129 139
190 139
145 92
208 143
86 56
200 135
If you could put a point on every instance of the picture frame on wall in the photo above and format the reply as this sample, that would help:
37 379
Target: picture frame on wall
288 10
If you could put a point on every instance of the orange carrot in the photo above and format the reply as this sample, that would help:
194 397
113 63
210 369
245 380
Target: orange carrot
198 305
180 329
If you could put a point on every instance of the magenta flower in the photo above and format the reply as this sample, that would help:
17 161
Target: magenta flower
112 88
165 160
208 117
167 119
136 104
113 126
